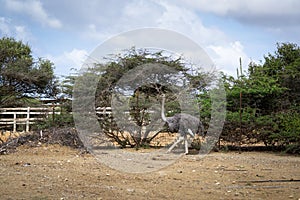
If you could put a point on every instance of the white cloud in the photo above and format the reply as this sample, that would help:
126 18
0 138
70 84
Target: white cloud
68 60
266 12
8 29
224 51
97 21
4 26
187 22
126 16
139 13
227 57
22 33
35 10
92 33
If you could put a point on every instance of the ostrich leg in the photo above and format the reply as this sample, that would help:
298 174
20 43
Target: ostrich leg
175 143
186 142
186 145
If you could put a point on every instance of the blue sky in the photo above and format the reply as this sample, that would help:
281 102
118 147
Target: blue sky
66 31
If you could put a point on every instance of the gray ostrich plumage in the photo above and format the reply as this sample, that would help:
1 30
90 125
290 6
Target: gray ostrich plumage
182 123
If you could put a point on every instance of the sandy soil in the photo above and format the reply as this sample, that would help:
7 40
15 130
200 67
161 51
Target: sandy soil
55 172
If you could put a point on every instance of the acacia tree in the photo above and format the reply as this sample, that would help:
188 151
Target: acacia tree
21 77
143 96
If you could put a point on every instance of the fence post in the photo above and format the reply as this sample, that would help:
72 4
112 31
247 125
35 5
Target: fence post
28 119
15 123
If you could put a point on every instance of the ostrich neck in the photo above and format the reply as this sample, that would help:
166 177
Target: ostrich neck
163 109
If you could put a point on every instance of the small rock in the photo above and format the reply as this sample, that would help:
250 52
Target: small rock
130 190
26 164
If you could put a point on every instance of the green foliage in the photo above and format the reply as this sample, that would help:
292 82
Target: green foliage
205 108
263 105
284 67
64 119
288 128
21 77
67 84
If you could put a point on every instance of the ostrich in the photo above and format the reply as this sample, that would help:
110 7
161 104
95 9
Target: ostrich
182 123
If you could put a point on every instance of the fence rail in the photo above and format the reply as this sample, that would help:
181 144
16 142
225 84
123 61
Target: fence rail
104 110
12 117
24 116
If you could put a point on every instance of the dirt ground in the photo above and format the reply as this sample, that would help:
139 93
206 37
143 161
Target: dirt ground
57 172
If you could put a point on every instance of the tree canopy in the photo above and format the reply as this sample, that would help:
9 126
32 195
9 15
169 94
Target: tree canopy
263 102
141 75
21 76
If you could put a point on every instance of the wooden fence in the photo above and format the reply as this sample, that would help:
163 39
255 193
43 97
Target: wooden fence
104 110
12 117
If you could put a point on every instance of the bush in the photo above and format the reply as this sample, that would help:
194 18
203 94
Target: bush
58 120
288 128
64 136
